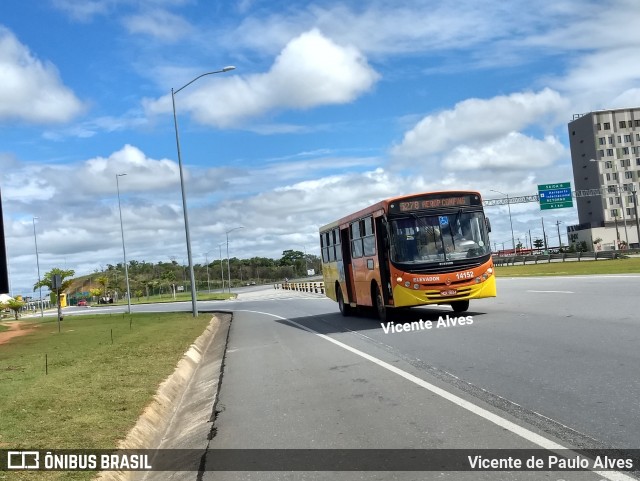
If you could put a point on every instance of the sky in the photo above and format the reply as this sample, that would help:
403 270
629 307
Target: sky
332 106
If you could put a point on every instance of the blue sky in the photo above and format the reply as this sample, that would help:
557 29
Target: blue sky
332 105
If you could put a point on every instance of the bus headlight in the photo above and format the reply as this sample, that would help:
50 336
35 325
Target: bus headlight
416 286
407 284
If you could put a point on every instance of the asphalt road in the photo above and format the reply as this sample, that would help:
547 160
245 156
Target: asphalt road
556 357
551 360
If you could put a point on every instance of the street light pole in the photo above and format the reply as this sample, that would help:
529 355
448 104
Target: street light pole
35 238
194 303
619 189
221 265
124 252
229 268
513 240
206 259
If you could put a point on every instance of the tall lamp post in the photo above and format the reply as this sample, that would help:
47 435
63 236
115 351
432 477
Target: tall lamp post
619 188
228 268
35 238
221 265
124 251
206 259
306 260
194 303
513 240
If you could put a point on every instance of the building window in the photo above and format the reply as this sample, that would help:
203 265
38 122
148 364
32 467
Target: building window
622 124
637 161
614 212
607 126
627 138
629 211
619 139
611 139
628 175
608 176
602 141
610 152
614 176
617 201
635 122
625 150
600 153
598 127
608 164
637 136
612 190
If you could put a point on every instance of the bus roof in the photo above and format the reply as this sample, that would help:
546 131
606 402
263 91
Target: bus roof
382 205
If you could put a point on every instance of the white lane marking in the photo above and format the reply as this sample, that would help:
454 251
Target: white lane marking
555 292
469 406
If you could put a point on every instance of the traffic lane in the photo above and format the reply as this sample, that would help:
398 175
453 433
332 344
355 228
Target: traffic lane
578 370
285 387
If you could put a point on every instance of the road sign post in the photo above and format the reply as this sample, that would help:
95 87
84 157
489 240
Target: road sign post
555 196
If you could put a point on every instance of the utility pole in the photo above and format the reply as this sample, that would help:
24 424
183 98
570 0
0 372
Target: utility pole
559 238
544 236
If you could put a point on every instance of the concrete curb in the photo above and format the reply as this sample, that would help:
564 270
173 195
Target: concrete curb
155 424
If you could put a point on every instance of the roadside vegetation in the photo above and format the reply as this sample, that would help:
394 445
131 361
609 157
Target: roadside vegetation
86 386
585 267
169 281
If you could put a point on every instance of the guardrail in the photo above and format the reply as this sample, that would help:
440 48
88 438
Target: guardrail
566 256
317 287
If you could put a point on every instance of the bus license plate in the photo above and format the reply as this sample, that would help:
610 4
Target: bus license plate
449 292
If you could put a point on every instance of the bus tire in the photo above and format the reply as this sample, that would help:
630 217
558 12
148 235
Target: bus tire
460 306
345 309
384 313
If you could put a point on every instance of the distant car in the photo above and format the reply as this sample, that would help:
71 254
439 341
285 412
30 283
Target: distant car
253 283
82 302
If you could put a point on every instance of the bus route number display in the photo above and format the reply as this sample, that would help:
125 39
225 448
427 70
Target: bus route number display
432 203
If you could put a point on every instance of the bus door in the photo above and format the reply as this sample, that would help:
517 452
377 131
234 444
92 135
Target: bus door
346 260
383 247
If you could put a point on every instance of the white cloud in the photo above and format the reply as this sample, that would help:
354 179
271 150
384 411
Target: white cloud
159 24
479 120
32 90
511 152
310 71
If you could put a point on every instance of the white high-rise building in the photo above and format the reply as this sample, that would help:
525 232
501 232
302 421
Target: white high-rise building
605 154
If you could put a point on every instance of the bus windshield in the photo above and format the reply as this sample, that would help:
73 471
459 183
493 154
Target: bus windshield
436 238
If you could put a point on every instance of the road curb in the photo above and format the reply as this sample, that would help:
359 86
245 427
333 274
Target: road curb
161 425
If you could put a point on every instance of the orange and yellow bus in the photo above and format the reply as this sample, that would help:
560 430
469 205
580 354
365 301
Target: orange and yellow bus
415 250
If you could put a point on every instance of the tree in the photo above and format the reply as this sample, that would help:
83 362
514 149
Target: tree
15 305
538 243
104 282
47 280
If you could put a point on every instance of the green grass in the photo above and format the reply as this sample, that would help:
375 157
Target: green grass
4 328
95 389
618 266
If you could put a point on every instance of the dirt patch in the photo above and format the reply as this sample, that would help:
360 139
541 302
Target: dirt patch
16 329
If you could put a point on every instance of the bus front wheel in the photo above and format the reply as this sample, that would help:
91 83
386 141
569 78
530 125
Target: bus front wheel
345 309
460 306
384 312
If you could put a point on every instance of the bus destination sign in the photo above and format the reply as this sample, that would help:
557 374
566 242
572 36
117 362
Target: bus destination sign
433 202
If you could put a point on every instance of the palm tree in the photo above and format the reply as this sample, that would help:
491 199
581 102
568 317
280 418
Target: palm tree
47 280
15 305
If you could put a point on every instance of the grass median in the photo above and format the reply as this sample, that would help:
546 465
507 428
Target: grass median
571 268
86 386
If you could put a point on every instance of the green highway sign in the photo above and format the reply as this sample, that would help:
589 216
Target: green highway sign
555 196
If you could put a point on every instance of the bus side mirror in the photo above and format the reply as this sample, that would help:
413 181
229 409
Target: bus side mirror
488 224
